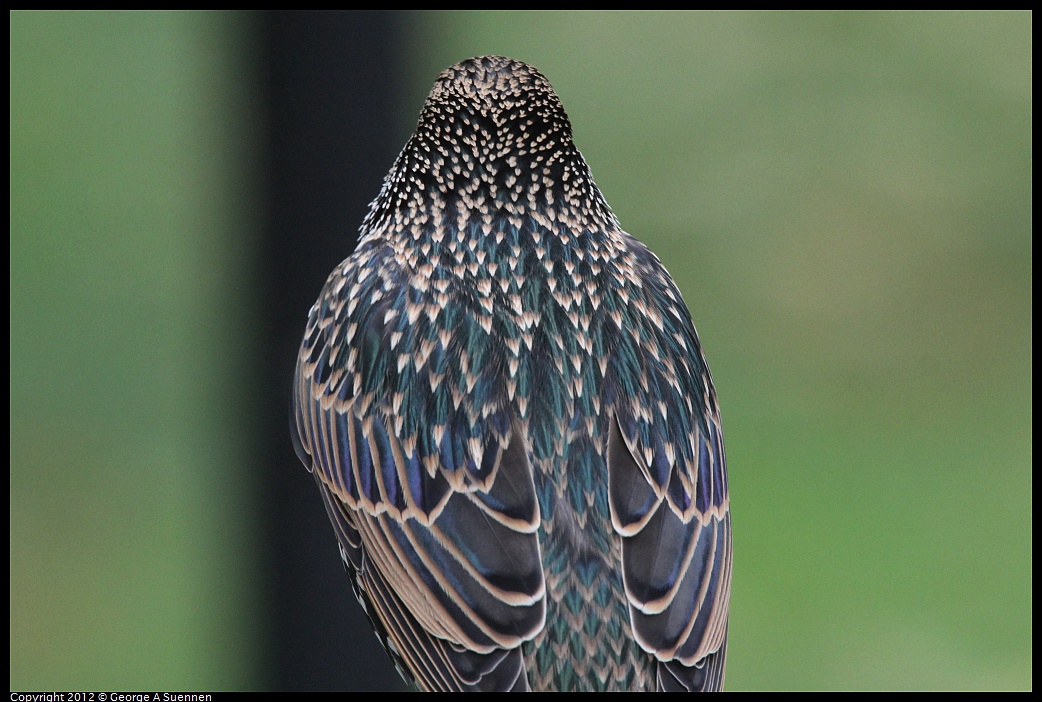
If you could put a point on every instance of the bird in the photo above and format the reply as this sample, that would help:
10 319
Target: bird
506 407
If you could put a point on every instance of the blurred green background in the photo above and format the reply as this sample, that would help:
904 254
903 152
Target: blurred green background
843 198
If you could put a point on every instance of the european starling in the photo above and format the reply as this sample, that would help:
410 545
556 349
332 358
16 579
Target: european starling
505 405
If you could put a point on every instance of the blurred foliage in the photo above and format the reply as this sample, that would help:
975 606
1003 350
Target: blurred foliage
843 198
131 563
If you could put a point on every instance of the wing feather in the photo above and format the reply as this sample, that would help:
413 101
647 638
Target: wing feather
439 529
667 488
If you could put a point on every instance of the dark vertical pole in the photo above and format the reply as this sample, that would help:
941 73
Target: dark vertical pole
332 85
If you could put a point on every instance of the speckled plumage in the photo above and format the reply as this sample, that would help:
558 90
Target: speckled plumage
506 408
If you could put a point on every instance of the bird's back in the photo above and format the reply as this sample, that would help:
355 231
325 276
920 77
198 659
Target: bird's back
507 410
